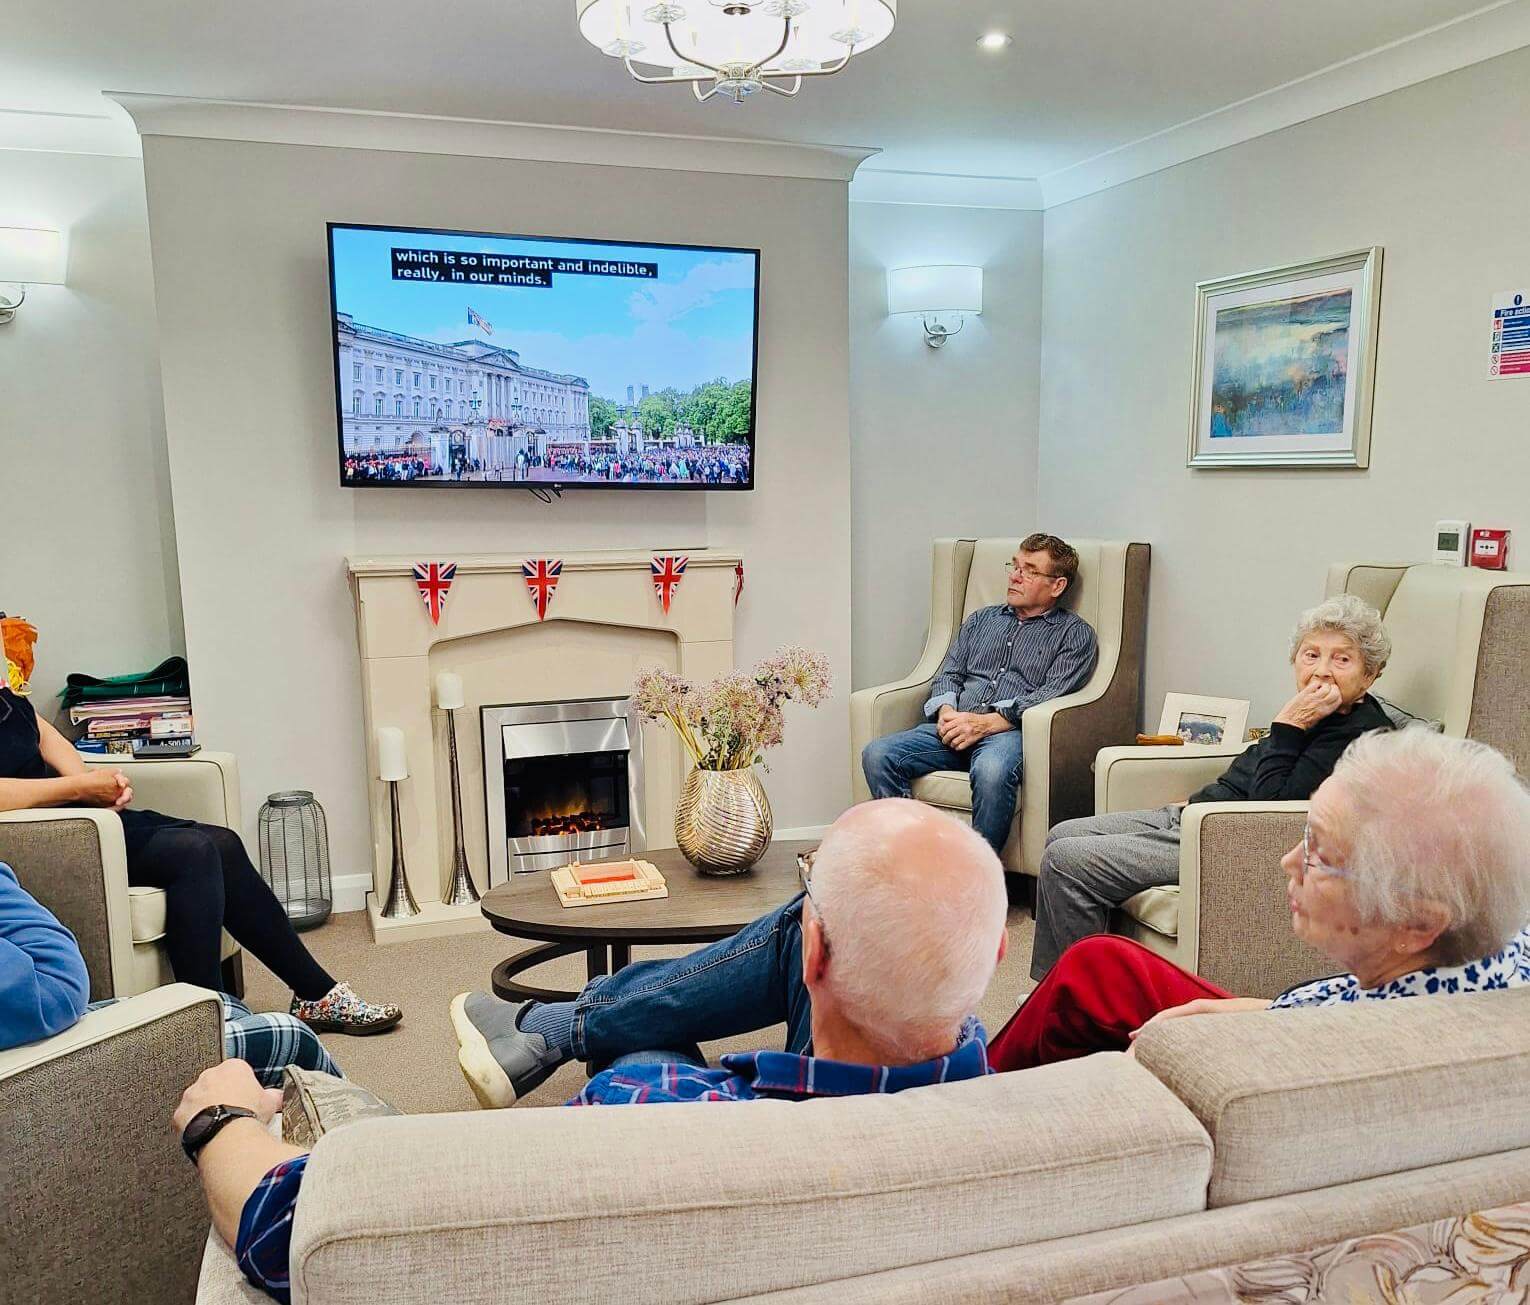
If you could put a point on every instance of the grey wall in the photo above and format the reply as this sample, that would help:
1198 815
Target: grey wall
942 442
1436 174
264 528
86 531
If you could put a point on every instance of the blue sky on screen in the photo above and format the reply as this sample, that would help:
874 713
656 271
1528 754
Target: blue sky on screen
694 323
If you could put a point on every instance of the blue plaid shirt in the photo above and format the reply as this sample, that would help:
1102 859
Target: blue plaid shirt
264 1244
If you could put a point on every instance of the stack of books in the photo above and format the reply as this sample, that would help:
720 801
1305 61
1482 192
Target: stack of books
159 726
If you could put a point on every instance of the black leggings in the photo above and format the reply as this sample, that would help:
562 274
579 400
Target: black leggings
210 886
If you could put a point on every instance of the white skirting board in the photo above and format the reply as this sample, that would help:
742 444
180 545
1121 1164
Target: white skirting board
350 891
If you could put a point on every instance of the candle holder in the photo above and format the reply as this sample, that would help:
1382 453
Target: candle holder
462 892
400 904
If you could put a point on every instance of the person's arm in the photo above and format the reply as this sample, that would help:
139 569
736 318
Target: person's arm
234 1164
1297 757
947 683
1200 1006
43 984
75 783
1071 666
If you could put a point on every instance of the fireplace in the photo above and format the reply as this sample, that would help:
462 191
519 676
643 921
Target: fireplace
562 781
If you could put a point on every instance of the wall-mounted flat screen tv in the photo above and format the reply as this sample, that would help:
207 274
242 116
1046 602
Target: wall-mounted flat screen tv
470 360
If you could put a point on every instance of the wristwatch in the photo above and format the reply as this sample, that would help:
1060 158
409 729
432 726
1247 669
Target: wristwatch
207 1124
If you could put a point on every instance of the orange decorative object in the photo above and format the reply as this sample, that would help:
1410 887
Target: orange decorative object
18 636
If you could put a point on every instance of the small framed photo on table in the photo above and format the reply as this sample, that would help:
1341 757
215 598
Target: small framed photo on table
1197 719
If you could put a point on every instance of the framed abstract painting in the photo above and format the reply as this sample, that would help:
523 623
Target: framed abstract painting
1285 365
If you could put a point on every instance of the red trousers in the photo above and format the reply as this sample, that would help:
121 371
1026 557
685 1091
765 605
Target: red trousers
1099 991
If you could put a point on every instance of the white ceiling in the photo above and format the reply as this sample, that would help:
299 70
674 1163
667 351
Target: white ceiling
1082 78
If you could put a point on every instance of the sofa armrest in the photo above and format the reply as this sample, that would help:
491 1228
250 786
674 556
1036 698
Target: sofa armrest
1233 909
100 1204
204 786
1133 778
72 860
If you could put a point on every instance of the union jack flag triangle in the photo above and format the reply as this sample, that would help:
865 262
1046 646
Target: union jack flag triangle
738 582
542 575
434 581
667 569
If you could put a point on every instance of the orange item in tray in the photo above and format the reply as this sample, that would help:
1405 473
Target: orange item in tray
610 872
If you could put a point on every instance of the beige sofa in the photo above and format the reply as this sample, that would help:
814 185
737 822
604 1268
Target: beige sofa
1227 1138
1062 736
72 860
1459 637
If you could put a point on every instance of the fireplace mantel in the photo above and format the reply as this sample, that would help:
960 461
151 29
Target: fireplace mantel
603 625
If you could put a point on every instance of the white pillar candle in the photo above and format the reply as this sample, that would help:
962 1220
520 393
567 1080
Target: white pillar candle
449 691
392 760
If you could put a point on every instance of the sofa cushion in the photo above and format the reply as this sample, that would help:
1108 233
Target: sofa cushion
146 914
944 788
768 1195
1157 908
1306 1098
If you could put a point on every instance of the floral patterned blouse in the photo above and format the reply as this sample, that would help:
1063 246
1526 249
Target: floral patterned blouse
1508 968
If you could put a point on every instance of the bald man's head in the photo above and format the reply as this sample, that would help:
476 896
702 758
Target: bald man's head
913 907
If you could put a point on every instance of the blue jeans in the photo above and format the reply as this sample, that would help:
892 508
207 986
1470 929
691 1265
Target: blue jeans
896 761
749 981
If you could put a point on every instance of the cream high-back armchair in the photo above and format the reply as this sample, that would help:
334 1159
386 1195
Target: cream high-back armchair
1459 643
73 861
1060 737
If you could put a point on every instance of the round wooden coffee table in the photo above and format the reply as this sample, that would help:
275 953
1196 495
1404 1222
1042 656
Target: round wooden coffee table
699 909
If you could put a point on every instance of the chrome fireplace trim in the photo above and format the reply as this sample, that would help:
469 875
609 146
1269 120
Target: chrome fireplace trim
550 729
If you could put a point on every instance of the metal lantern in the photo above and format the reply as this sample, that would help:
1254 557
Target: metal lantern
294 856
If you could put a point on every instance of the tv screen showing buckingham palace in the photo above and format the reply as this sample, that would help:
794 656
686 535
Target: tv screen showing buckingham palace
467 359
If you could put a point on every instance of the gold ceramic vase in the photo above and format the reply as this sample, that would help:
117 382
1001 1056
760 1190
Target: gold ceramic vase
723 822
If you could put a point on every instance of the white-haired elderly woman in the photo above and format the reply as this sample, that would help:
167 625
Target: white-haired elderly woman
1411 877
1092 865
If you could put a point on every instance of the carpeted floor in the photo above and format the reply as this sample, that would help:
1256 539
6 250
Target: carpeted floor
415 1065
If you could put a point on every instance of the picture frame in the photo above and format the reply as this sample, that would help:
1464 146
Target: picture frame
1285 365
1201 720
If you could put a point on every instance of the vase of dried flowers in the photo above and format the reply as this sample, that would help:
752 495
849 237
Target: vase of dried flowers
723 821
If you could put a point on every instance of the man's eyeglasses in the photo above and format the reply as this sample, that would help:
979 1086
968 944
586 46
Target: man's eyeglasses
805 878
1310 862
1028 572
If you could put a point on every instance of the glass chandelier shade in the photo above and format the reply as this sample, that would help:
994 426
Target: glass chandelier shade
735 47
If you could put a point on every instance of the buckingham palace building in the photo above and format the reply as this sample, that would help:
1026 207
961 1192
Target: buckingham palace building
468 401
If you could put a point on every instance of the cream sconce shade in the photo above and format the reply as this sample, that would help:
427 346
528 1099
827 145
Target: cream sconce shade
933 293
29 256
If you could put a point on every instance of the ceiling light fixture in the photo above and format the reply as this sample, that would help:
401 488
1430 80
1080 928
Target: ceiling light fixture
996 40
734 48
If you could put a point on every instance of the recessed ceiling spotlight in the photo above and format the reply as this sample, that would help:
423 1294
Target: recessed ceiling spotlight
995 40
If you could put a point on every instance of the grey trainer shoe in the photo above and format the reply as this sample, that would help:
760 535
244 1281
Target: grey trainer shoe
499 1061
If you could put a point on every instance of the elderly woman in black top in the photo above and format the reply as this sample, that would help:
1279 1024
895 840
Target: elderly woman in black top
1094 864
209 882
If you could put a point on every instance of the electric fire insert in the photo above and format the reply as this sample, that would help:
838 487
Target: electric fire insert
562 781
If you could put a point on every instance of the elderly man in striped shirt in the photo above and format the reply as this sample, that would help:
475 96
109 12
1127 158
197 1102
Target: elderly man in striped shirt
1006 658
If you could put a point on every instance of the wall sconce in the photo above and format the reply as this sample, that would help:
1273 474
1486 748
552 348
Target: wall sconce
28 257
932 292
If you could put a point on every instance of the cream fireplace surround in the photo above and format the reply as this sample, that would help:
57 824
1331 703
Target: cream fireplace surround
603 625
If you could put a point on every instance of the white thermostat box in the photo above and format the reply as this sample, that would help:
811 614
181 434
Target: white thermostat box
1452 540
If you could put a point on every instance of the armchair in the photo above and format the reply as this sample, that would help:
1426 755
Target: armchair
1458 637
73 861
1060 737
100 1204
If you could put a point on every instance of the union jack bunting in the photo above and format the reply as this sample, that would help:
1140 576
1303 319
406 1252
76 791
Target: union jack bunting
542 575
738 582
667 569
434 581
